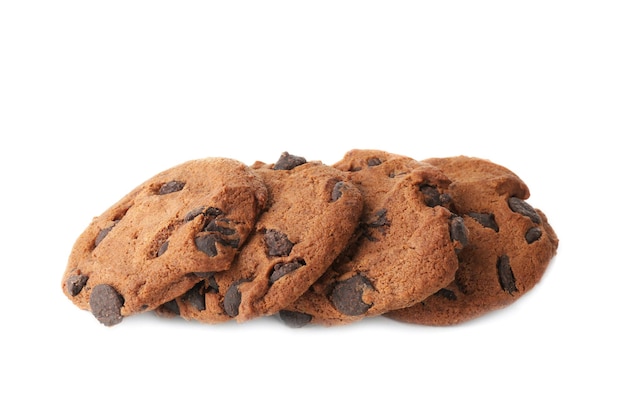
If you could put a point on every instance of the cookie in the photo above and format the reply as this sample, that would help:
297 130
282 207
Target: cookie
404 250
313 211
510 244
149 247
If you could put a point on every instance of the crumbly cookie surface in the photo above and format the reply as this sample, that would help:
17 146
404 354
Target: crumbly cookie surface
510 244
149 247
404 250
312 212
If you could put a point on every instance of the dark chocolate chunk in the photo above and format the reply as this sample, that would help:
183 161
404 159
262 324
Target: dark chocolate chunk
211 284
277 243
233 242
505 274
458 231
194 213
445 199
432 197
171 187
288 161
379 223
533 234
446 293
337 191
214 225
374 162
206 244
75 284
163 248
103 233
394 174
195 296
295 319
285 268
520 206
487 220
380 220
213 212
232 299
172 307
160 244
106 304
347 296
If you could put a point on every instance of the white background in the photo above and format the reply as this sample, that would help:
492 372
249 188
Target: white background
95 97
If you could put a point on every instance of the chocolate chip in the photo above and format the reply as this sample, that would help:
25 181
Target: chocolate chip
103 233
195 296
288 161
347 296
379 223
458 231
163 248
295 319
171 187
446 293
213 212
232 299
75 284
106 304
233 242
505 274
194 213
214 230
277 243
432 197
211 286
533 234
172 307
160 243
214 225
374 162
487 220
206 243
394 174
285 268
337 191
380 220
520 206
445 199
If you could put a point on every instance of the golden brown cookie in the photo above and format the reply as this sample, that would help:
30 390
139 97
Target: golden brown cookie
312 212
510 244
404 250
147 248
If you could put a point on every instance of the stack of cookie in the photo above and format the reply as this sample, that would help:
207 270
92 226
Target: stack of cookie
433 242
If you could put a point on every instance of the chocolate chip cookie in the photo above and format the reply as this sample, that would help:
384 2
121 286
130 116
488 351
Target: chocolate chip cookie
150 246
510 244
312 213
405 248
